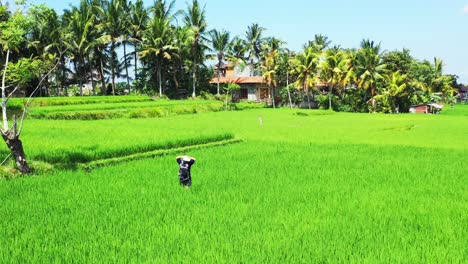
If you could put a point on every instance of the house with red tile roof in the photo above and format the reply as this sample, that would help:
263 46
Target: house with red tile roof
252 87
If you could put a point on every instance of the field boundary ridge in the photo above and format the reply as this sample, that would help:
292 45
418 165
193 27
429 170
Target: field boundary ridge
155 153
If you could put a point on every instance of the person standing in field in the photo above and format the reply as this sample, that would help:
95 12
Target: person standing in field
185 164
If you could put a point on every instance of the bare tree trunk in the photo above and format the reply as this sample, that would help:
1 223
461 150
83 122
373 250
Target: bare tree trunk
330 89
47 86
4 97
126 67
194 82
273 96
160 79
136 62
308 94
287 87
219 65
373 99
13 142
113 66
91 75
64 87
103 78
80 80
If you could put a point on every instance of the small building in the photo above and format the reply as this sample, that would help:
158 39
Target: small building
252 86
463 93
426 109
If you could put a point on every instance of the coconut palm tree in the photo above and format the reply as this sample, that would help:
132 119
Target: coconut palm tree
271 48
195 20
237 50
254 39
80 22
138 21
125 38
220 43
114 27
370 67
45 35
334 70
158 41
319 44
396 87
305 65
158 44
183 44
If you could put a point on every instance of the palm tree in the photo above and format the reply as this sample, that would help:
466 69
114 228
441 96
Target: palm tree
194 18
271 48
45 35
220 43
138 21
440 83
334 70
183 44
396 87
254 41
305 66
237 49
370 67
125 37
158 39
114 26
319 44
80 22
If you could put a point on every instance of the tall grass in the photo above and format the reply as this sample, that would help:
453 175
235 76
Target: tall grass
251 202
300 188
78 100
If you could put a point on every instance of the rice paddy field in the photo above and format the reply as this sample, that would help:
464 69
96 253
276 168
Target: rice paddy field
300 186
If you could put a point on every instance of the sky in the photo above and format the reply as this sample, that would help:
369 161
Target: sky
429 28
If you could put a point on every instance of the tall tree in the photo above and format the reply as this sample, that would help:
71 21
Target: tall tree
271 48
80 23
254 39
45 35
370 67
305 66
158 39
13 31
115 27
237 49
319 44
138 21
220 42
333 70
195 19
158 42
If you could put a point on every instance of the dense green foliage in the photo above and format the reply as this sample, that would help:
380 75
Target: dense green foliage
304 186
168 51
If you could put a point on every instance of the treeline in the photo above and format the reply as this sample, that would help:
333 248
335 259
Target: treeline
163 51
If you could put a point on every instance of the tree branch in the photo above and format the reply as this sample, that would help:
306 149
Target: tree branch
30 98
12 92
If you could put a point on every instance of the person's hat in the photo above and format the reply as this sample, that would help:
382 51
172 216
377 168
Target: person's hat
186 158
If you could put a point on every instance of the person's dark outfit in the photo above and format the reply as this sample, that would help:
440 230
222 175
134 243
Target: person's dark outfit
185 177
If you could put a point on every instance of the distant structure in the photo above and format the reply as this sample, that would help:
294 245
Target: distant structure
426 109
252 86
463 93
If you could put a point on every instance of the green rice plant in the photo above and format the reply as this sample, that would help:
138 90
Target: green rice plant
155 153
460 109
77 100
125 110
339 187
250 202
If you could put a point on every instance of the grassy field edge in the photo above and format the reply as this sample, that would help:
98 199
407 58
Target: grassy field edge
155 153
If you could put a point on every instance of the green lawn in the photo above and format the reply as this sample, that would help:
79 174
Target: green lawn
307 186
